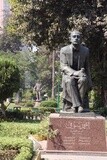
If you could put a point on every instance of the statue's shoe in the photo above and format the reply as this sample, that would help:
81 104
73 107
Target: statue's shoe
71 110
80 109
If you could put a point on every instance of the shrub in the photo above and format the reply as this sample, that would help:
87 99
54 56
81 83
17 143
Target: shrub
14 114
24 147
25 154
18 129
43 110
29 113
29 104
28 95
102 111
13 137
43 130
49 103
24 113
11 154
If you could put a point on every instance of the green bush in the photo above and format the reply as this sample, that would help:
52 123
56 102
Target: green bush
49 103
24 147
24 112
14 114
95 100
18 129
11 154
102 111
25 154
13 137
29 104
43 110
28 95
20 114
42 133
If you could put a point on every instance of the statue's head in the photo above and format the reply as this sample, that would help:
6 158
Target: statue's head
75 37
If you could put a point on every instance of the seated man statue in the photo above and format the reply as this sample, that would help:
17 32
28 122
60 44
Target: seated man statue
76 79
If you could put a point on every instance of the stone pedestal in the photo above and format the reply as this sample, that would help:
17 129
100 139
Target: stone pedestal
80 132
37 103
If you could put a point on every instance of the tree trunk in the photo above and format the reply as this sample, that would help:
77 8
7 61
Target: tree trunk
105 98
2 107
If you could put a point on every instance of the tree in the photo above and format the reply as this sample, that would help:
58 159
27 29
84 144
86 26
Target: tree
9 79
10 42
42 22
44 72
37 65
39 21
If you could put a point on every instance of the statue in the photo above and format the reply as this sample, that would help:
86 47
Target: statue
38 88
76 78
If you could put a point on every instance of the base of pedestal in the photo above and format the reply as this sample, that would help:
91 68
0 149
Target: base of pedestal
78 132
73 155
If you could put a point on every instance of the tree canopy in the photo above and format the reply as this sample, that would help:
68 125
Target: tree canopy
49 21
9 78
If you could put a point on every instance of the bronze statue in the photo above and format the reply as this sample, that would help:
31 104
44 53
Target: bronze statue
38 89
76 79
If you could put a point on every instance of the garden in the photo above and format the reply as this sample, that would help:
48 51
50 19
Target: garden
30 44
22 121
14 142
20 118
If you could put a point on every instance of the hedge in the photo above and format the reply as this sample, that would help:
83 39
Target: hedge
49 103
24 147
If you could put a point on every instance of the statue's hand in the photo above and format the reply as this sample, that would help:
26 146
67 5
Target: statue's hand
76 73
80 73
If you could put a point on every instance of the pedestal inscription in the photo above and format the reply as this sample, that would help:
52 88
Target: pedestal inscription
77 133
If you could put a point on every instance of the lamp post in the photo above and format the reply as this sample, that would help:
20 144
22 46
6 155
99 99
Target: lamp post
58 97
53 73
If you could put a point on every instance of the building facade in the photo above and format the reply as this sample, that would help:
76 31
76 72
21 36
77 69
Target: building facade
4 12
